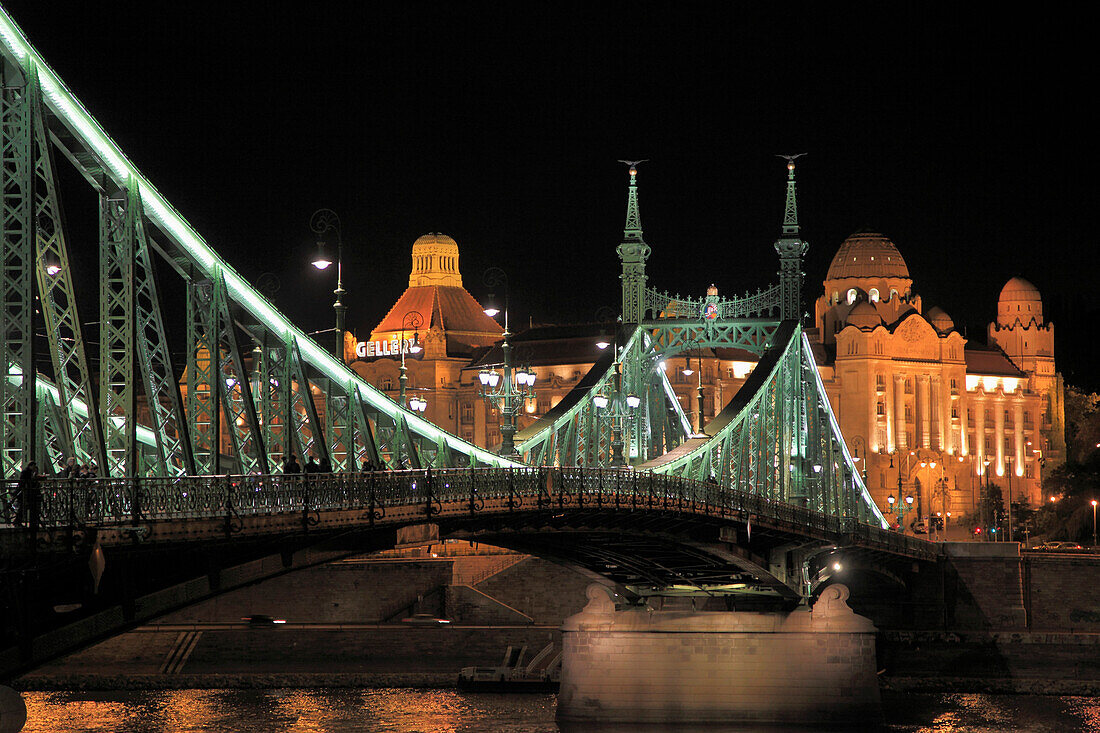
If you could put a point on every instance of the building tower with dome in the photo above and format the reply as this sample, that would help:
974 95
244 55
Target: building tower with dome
929 414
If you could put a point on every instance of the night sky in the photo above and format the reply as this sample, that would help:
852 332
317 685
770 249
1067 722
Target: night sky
962 138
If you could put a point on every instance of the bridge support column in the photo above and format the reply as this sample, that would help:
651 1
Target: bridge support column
641 666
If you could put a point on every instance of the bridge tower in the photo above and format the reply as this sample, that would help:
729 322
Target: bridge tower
633 252
790 248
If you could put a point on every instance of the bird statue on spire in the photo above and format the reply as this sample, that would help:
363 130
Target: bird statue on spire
633 164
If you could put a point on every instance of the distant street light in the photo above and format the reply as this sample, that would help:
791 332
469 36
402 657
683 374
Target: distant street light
1094 523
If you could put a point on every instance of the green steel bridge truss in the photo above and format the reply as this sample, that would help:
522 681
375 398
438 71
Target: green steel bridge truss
253 381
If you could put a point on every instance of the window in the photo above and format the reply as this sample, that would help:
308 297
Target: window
954 411
874 295
852 295
1027 418
954 386
387 384
880 409
880 382
836 297
908 386
467 412
908 412
1029 470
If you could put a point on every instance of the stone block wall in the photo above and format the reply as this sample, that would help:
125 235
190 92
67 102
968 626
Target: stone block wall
334 593
466 605
543 590
1033 592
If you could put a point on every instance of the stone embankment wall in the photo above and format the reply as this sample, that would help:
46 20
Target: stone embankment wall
995 588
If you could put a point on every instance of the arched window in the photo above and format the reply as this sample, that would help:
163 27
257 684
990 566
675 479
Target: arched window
852 295
836 297
874 295
893 294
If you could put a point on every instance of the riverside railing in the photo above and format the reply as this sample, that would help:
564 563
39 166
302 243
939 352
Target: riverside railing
403 496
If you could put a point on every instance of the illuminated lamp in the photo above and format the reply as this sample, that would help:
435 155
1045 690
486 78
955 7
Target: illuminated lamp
633 400
494 379
52 269
321 261
600 401
483 376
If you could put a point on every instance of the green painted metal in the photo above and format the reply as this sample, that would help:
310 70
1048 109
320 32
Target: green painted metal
106 168
633 253
202 399
234 388
791 249
273 391
303 411
172 456
17 387
118 391
57 296
778 439
579 430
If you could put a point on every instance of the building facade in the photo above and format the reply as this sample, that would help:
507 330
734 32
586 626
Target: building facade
929 414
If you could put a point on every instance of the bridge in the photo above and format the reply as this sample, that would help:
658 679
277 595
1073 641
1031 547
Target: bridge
615 479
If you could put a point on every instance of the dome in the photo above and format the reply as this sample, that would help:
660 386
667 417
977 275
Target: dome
864 316
1019 300
867 254
939 319
435 261
1019 290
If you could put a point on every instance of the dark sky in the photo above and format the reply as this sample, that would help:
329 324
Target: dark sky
962 138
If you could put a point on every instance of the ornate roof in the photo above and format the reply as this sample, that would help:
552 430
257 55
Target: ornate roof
867 254
1018 289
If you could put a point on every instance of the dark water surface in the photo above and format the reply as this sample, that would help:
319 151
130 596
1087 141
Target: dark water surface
448 711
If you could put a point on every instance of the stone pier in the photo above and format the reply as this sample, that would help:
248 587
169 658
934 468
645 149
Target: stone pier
638 665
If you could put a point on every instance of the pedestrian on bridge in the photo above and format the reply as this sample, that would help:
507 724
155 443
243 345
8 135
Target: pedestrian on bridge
71 469
311 465
290 465
368 466
28 496
326 465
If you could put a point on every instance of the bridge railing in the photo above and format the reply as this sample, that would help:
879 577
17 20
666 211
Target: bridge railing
57 503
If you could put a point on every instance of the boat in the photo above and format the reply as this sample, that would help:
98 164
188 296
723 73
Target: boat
541 674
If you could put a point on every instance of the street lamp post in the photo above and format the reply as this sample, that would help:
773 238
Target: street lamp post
621 407
512 393
321 222
411 321
1009 460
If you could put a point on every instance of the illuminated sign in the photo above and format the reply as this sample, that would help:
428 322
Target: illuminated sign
382 348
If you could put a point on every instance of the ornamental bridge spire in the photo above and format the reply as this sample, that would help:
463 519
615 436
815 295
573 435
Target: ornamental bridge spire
633 252
790 249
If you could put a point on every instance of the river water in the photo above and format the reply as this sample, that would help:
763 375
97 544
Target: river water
448 711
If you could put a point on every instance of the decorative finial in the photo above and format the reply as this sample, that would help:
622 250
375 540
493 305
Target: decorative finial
632 230
790 213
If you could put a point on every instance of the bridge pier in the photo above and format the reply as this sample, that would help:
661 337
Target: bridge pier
643 666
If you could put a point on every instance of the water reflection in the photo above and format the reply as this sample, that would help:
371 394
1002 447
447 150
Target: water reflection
448 711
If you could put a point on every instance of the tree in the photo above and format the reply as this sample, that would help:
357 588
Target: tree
1082 424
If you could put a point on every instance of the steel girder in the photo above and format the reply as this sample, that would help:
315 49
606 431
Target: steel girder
118 393
17 385
362 421
58 297
778 439
672 335
576 432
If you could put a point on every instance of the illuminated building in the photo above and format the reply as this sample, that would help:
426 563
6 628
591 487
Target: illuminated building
917 401
914 398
